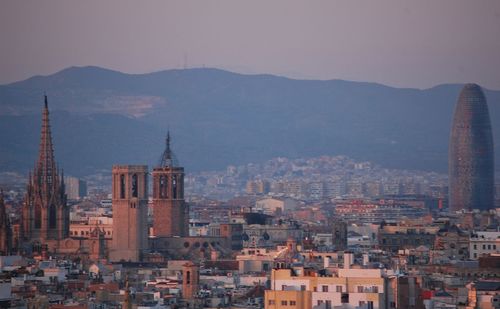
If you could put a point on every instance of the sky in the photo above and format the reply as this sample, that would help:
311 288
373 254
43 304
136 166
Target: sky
417 44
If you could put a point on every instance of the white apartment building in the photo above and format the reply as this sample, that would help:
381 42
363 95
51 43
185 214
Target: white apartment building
483 243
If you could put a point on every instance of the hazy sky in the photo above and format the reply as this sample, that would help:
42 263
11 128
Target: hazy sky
401 43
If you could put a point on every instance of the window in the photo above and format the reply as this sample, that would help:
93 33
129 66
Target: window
475 247
271 302
284 303
174 186
122 186
283 287
293 303
52 217
324 288
181 184
163 187
489 247
344 298
361 303
328 304
38 217
188 277
135 189
375 289
360 289
370 304
494 247
339 289
302 287
484 247
320 302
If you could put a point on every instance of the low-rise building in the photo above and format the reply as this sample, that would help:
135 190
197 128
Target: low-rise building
351 288
483 243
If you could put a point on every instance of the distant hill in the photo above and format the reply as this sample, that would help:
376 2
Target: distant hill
101 117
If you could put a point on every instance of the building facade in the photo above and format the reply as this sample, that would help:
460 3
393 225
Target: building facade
483 243
352 288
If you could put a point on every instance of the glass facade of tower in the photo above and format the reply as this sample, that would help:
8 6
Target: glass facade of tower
471 163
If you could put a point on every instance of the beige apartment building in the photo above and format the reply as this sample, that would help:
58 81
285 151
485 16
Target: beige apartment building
350 288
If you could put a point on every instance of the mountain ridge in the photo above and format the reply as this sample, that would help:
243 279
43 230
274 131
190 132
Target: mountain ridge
219 118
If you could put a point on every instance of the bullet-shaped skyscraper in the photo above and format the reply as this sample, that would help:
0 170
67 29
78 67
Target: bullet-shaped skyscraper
471 163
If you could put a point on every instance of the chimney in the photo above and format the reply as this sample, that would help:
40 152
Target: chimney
348 259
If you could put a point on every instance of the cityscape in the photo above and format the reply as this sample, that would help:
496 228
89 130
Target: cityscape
114 204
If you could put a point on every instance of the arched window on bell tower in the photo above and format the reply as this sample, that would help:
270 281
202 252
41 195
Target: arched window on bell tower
122 186
181 186
163 187
135 187
174 186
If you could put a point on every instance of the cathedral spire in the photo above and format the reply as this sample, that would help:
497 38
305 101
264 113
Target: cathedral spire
45 212
46 168
168 158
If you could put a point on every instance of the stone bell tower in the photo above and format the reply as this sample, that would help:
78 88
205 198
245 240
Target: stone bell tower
169 208
190 280
130 211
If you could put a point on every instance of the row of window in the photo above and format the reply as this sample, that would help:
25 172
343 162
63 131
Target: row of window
362 303
404 241
283 302
338 288
484 247
163 186
82 233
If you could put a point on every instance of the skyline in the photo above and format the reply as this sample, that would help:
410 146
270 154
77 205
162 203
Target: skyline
249 154
397 44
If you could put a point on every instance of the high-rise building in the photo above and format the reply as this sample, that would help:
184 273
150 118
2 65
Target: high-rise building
75 188
471 165
130 208
45 213
339 234
5 229
170 211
